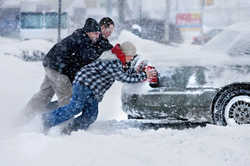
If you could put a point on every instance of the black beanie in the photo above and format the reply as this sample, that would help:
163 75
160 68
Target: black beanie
91 25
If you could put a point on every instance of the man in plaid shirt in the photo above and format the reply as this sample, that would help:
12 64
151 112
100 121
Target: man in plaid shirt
91 83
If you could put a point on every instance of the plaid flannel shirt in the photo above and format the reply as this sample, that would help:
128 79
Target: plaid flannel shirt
101 74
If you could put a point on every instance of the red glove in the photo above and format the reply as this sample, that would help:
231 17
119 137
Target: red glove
141 66
152 76
118 52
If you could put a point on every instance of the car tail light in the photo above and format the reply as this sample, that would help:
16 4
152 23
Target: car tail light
153 81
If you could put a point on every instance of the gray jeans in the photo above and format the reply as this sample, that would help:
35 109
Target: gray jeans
53 83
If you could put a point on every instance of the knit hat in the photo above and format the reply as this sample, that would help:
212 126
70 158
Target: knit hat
128 48
91 25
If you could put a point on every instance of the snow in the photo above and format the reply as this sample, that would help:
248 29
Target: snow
20 48
159 54
109 141
241 26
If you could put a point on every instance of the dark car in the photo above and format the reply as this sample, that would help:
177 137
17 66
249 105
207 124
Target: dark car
202 39
210 85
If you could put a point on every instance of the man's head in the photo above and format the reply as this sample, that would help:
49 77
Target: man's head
92 29
129 50
107 26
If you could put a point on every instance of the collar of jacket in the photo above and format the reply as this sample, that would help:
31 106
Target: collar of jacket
101 38
122 59
86 38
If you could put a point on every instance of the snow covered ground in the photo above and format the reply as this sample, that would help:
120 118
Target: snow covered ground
109 141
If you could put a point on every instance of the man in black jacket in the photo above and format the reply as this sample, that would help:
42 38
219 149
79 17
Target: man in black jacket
65 59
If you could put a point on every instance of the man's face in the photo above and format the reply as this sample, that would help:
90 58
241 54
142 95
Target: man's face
93 36
129 58
106 32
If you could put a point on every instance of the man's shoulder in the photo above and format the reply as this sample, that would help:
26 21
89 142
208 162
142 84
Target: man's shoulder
81 36
108 56
75 35
79 33
109 59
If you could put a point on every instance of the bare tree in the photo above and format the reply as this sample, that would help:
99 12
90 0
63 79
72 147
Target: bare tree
59 20
167 21
121 7
109 7
202 19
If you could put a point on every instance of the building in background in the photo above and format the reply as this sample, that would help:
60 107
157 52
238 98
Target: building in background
9 17
40 21
188 16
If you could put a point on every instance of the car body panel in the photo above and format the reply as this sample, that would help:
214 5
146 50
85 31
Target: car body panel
184 92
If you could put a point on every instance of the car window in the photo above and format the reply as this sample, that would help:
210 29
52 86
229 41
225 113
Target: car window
179 77
241 47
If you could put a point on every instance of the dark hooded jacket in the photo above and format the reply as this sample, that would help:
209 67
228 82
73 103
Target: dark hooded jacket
73 52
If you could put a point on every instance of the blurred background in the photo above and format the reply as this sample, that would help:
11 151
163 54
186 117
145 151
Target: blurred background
165 21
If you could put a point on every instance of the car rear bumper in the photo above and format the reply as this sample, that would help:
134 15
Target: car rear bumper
191 104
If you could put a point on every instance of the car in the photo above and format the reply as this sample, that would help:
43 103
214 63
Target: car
210 85
202 39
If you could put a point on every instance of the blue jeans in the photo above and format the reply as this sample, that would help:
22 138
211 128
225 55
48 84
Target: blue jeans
82 101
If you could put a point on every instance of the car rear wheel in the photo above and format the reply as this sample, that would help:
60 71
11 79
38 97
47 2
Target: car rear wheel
232 107
237 111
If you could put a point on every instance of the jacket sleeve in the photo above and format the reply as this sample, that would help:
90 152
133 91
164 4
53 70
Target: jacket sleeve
127 77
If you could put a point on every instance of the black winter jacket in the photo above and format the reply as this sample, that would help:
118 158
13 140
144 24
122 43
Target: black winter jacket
73 52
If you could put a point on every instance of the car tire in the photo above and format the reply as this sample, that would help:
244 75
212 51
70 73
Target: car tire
232 107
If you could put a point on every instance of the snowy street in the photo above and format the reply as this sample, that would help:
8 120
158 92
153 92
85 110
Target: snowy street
108 141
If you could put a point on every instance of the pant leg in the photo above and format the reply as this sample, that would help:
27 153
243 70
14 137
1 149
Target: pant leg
61 85
61 114
88 116
39 101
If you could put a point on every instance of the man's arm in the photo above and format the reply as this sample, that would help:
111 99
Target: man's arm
120 75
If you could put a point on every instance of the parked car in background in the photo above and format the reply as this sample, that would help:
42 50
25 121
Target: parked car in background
202 39
210 85
153 29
